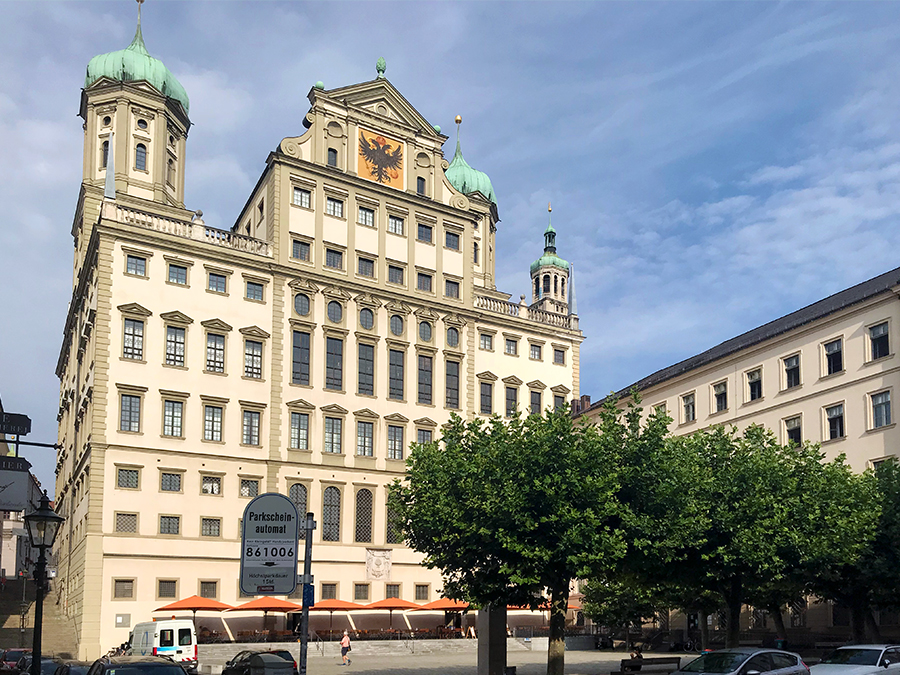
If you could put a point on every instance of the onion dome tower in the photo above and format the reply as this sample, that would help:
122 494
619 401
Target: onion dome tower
466 179
550 276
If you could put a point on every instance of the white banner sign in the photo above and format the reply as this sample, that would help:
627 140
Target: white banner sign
269 546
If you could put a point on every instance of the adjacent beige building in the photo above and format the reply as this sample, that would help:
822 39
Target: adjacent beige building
347 313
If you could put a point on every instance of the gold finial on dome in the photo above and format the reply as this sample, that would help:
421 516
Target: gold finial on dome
459 119
549 208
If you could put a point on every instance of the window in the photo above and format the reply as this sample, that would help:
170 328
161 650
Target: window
423 282
133 340
420 185
329 591
298 495
487 398
687 402
210 527
217 282
126 522
451 289
170 172
301 304
169 524
392 590
212 423
333 432
136 265
425 233
177 274
209 589
127 478
878 337
452 395
366 216
397 324
253 359
559 356
754 384
215 353
395 375
425 331
835 415
512 401
254 291
210 485
250 435
366 268
792 371
300 358
451 240
334 259
334 363
792 429
332 157
170 482
423 436
142 124
559 402
104 154
536 352
300 250
365 434
123 588
834 357
249 487
486 341
452 337
361 591
366 318
130 417
422 592
140 157
881 409
334 207
395 442
395 224
395 274
366 364
425 372
335 311
302 198
661 409
174 346
536 408
720 393
546 283
394 530
363 532
299 431
331 514
475 252
512 347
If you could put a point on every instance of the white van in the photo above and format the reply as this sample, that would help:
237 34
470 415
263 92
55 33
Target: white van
173 638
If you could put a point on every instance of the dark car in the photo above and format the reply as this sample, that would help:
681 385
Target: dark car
11 657
135 665
746 661
70 667
239 664
48 665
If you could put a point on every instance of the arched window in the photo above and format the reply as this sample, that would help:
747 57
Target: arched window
394 534
420 185
537 286
562 287
140 157
104 154
475 252
170 172
364 516
555 284
298 495
332 157
331 514
546 283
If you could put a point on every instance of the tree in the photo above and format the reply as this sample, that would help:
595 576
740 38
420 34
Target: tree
511 510
620 602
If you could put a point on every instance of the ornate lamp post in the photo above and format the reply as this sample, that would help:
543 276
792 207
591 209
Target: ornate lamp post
43 525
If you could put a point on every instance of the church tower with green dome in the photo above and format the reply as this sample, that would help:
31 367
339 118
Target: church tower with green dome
550 283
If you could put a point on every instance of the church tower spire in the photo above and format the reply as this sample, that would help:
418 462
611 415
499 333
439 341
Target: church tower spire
550 275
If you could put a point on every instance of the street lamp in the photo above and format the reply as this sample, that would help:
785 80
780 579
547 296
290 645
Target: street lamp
42 525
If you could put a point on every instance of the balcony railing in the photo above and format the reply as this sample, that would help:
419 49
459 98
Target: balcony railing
507 308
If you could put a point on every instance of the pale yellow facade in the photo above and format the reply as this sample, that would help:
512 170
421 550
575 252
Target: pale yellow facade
199 365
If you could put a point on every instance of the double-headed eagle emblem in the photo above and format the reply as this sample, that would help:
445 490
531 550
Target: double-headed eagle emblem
382 159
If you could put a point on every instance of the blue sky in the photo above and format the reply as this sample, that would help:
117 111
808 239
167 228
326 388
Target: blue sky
712 165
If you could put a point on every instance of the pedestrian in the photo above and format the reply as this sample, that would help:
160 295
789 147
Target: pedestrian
345 649
637 655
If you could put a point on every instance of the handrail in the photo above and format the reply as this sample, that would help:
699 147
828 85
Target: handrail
507 308
320 643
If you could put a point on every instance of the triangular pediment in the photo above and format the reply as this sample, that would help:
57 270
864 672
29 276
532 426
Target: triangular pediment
536 384
454 320
134 309
302 285
367 300
425 422
560 389
396 307
365 413
396 417
381 99
512 379
487 375
176 317
335 292
334 408
216 324
426 314
301 404
255 332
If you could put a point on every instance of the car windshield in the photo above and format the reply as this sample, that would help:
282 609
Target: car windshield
286 655
717 662
14 654
853 657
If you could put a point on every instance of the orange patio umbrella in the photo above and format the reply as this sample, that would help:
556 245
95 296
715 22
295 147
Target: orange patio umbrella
445 605
391 604
267 604
194 604
332 606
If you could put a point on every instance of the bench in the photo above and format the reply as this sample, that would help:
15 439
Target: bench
662 665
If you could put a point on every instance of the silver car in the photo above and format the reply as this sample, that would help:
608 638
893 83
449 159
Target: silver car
746 661
860 660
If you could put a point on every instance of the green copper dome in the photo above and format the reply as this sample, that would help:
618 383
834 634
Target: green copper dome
549 258
134 64
468 180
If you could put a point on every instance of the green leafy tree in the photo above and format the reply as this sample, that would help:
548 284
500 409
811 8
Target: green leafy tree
620 602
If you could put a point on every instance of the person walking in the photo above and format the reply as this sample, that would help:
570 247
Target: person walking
345 649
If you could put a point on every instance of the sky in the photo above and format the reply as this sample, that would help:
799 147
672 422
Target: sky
712 165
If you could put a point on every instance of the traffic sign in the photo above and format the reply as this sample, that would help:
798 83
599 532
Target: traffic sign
15 424
269 546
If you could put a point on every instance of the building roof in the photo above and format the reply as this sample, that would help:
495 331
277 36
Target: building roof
550 258
883 283
468 180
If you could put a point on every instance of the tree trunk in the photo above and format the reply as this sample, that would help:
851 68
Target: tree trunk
733 603
704 629
778 620
872 629
556 652
858 621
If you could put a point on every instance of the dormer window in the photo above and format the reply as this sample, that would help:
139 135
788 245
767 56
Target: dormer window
332 157
420 185
140 157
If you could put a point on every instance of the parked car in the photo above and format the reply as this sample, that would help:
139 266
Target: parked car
71 667
239 664
135 665
746 661
859 660
48 665
11 658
